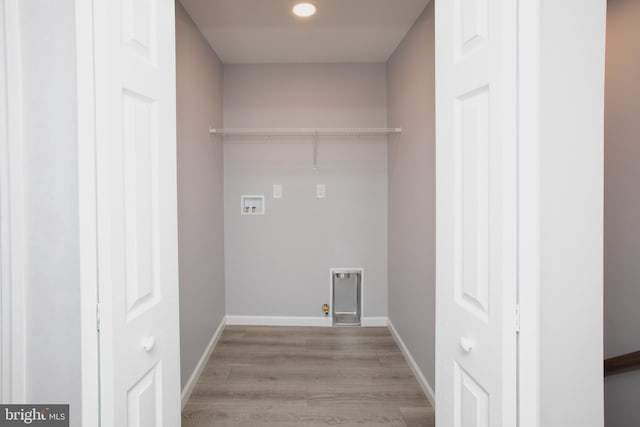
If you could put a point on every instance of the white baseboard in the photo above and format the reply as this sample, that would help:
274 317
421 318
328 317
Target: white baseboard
193 379
374 321
278 321
296 321
428 391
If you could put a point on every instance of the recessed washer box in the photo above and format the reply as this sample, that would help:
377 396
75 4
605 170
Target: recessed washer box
252 205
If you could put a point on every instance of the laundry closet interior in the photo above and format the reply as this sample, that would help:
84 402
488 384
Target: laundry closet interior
306 169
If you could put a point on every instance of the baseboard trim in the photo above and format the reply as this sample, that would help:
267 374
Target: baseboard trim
428 391
278 321
297 321
195 375
374 321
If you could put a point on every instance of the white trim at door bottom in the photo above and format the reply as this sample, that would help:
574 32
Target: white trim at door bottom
195 375
426 388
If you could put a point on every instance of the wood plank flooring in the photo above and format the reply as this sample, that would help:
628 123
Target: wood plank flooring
308 377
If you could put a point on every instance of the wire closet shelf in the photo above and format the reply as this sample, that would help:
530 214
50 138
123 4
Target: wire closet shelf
306 131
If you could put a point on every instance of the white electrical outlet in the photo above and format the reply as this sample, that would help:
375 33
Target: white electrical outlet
277 191
321 191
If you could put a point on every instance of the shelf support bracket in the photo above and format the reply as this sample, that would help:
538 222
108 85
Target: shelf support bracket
315 151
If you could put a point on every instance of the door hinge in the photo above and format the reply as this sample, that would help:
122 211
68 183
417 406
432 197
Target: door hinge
517 318
97 316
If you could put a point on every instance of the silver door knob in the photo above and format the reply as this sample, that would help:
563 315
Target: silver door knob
466 344
148 343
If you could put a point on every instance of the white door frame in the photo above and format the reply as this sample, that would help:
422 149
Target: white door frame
12 257
11 210
560 139
528 213
87 212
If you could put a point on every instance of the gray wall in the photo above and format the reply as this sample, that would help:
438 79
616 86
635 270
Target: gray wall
52 289
278 264
411 101
622 207
571 205
200 211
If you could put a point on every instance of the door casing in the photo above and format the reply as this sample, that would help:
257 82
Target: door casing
11 210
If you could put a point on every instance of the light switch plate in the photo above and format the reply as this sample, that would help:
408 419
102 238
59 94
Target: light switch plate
321 191
277 191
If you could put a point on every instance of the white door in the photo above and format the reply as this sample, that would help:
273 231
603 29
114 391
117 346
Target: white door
137 212
476 213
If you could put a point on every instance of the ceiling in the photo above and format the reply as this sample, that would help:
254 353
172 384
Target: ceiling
266 31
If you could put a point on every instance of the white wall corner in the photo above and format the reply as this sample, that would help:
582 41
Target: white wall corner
195 375
422 380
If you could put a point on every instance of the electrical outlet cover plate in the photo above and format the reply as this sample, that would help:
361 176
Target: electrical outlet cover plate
277 191
321 191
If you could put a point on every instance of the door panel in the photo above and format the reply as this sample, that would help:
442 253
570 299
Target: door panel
472 401
137 212
471 26
139 30
475 213
140 144
471 168
144 400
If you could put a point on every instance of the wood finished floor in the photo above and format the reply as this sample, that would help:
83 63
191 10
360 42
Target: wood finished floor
308 377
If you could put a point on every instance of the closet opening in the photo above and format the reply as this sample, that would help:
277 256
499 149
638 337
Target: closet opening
306 157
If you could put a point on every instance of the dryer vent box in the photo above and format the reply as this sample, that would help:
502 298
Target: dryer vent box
347 297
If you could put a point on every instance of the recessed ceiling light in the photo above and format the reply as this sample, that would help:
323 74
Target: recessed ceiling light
305 10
